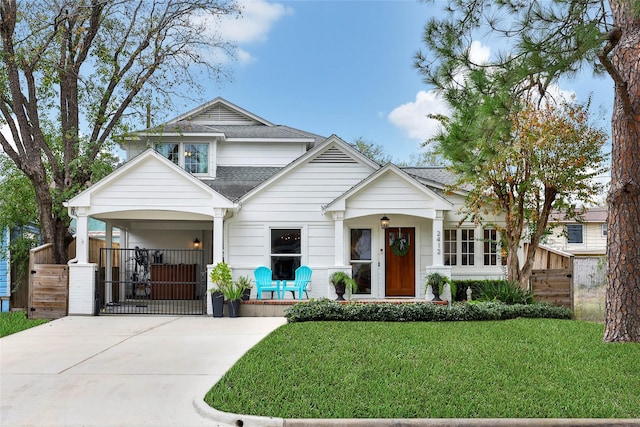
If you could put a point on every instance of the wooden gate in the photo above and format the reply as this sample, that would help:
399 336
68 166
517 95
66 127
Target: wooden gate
554 286
49 291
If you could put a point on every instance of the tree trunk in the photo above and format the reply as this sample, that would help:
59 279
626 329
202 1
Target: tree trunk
622 315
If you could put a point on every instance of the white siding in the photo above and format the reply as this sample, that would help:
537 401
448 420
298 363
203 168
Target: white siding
234 153
300 195
153 185
392 194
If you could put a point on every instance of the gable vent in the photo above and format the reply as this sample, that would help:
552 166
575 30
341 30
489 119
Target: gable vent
333 155
221 115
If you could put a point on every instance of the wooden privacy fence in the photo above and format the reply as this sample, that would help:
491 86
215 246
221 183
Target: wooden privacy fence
552 278
49 283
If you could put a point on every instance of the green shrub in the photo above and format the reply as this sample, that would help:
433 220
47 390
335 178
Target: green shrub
325 309
507 292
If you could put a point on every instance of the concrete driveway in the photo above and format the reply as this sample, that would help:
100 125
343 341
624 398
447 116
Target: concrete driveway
120 370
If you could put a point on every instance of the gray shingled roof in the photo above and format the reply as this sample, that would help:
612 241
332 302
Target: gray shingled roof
240 131
234 182
261 131
436 175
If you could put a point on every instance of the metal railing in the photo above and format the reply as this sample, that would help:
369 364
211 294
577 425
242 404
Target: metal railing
151 281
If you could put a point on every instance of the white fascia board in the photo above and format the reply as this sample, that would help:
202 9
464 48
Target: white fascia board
182 134
440 203
333 139
219 100
269 139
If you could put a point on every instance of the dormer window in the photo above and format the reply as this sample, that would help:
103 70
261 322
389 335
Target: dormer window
193 158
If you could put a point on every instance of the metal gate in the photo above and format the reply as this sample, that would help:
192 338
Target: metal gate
151 281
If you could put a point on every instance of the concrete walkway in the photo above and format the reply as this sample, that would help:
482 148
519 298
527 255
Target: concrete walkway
120 370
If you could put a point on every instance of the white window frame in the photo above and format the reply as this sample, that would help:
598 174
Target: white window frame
493 245
182 154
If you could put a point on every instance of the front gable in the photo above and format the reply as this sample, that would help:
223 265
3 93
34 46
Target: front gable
391 190
331 167
150 183
220 112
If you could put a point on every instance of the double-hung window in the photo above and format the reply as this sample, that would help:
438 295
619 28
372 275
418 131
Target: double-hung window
459 246
361 259
468 247
193 158
286 252
490 247
450 247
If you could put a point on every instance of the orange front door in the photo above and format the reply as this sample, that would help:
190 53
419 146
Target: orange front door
400 262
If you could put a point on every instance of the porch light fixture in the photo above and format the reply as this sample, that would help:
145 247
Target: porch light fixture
196 243
384 222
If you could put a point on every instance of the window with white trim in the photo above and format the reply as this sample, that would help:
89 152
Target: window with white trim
490 246
604 230
468 247
193 158
286 252
450 247
361 259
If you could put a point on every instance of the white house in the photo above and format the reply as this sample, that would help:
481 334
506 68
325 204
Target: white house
253 193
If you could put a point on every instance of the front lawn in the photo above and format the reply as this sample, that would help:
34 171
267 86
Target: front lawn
516 368
16 321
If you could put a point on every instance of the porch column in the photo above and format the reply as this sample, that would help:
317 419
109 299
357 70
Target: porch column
338 218
82 236
438 236
218 216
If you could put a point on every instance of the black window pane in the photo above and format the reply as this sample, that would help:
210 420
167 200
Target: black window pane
284 267
361 244
285 241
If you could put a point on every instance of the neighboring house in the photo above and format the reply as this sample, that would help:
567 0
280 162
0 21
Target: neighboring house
253 193
584 237
5 270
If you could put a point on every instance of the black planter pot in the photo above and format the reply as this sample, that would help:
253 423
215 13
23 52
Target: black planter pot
233 307
247 294
217 301
341 288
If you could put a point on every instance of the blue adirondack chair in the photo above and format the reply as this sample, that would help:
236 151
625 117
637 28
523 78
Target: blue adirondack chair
264 282
299 285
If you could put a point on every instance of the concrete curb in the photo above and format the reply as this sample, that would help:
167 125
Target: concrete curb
235 419
256 421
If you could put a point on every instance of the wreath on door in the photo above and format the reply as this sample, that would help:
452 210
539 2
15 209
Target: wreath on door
400 246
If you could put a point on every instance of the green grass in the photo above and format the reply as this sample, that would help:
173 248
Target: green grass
518 368
16 321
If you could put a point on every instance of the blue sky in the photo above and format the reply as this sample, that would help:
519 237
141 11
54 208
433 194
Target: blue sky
344 68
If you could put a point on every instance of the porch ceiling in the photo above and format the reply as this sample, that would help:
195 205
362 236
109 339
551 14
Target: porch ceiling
125 219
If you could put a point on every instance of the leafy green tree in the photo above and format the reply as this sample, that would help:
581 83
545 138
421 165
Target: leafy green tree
546 161
72 73
544 41
373 151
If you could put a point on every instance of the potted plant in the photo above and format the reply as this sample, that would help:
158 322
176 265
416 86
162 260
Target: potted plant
233 294
221 278
341 281
437 283
245 282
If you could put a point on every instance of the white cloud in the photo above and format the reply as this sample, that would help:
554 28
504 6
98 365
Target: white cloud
478 53
412 116
253 25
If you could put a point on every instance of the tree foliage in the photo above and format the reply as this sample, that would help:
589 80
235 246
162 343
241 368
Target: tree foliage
543 41
74 72
546 161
